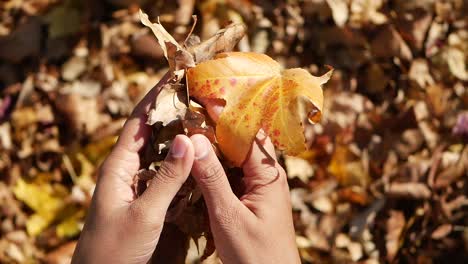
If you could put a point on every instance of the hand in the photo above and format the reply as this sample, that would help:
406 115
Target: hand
258 227
121 228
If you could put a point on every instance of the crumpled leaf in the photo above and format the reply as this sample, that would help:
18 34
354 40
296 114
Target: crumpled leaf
161 34
223 41
169 106
179 58
258 94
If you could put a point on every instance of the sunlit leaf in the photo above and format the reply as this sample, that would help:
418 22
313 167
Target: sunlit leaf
258 94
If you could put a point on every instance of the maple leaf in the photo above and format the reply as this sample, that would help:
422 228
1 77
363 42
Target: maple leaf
258 94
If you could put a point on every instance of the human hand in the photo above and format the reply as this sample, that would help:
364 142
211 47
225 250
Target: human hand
121 228
257 227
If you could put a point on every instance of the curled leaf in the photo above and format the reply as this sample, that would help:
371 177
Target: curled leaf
179 59
160 32
223 41
258 94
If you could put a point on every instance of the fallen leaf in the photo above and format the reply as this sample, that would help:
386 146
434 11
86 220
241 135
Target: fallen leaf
435 37
339 10
298 167
394 46
24 41
43 199
82 114
223 41
195 123
63 20
395 224
413 25
456 63
347 169
258 94
73 68
419 73
409 190
442 231
365 11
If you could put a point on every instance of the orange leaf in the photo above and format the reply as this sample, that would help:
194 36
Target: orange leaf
258 94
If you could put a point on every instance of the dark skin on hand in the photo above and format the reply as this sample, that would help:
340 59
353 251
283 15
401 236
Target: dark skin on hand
255 228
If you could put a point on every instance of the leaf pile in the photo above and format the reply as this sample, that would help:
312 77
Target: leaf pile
384 179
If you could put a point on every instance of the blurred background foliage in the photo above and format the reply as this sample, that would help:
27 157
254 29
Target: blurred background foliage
385 179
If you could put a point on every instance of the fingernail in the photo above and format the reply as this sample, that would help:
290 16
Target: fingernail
178 147
201 145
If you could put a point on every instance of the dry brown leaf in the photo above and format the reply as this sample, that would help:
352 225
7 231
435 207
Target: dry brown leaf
223 41
410 190
365 11
395 225
442 231
170 105
298 167
81 113
340 11
395 45
419 73
179 58
456 62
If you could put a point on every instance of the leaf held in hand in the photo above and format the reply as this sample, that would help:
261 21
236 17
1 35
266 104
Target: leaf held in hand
258 94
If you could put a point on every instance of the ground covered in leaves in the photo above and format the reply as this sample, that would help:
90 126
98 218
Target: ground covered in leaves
385 179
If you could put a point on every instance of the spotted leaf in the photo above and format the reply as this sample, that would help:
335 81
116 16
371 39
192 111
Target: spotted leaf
258 94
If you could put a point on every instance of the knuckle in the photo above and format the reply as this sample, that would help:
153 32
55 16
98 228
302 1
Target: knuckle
227 217
139 215
267 174
167 173
211 174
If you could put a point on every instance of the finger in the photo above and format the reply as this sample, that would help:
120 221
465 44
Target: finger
210 176
261 167
265 180
214 107
170 177
135 132
266 184
124 160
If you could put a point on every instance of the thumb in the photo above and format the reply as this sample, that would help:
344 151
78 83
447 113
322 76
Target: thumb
174 171
210 176
263 176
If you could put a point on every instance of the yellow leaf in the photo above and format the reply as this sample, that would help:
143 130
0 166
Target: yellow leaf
36 223
258 94
71 225
97 150
38 197
43 199
346 168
